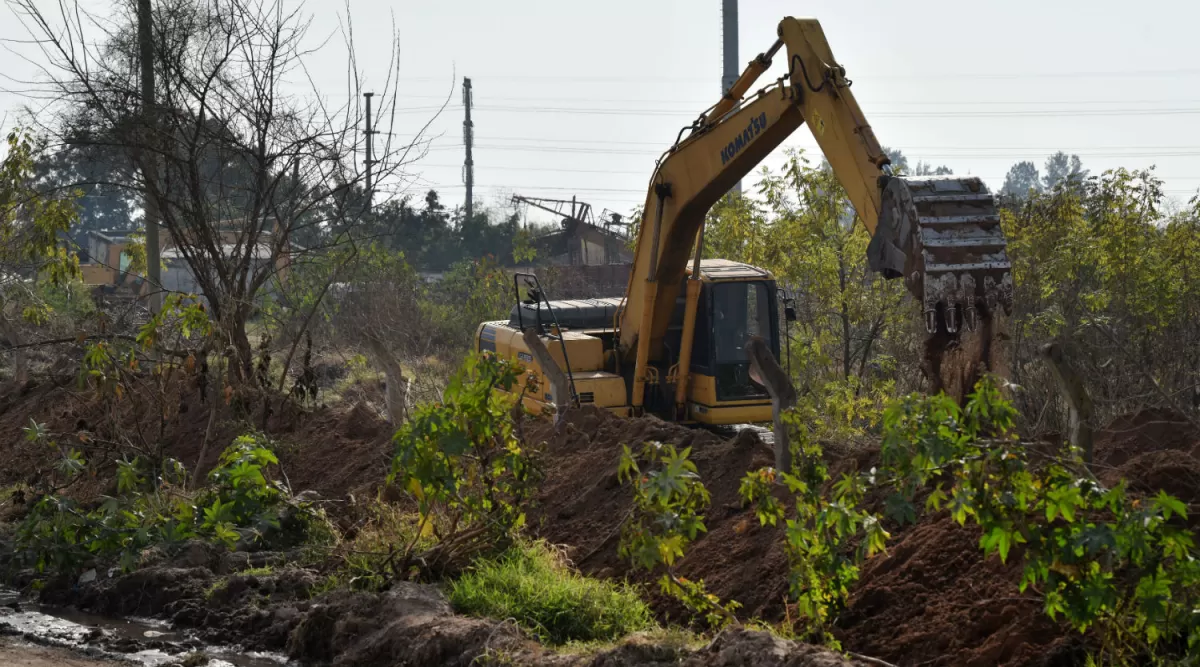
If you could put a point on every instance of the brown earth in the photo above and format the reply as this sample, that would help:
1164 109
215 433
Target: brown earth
331 451
932 599
15 653
411 624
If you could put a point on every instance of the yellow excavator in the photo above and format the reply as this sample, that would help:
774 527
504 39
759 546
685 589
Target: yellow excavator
675 344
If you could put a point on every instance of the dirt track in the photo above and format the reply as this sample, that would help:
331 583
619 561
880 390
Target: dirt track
18 654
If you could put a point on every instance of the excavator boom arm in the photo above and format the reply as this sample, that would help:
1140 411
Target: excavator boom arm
941 235
701 169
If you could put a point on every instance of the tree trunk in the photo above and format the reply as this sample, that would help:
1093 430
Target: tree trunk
396 394
766 370
1079 403
19 355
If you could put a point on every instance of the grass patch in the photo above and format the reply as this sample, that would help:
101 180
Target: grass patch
215 587
533 585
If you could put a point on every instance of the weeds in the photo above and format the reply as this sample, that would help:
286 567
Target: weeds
532 585
239 506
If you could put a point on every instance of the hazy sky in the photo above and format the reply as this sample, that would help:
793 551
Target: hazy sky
580 98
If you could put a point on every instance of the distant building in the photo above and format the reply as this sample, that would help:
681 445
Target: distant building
582 244
107 260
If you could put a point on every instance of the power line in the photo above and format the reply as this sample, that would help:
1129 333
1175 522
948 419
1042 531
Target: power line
643 172
664 145
867 76
1016 154
874 114
865 101
436 186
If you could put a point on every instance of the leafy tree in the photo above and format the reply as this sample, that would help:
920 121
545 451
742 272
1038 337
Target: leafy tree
1100 557
927 169
899 160
1105 271
33 225
668 514
465 467
807 235
1021 179
1063 169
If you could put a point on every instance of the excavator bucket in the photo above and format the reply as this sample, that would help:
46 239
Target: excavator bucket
942 235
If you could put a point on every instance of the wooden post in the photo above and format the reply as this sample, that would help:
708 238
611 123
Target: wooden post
767 371
396 392
560 387
1079 403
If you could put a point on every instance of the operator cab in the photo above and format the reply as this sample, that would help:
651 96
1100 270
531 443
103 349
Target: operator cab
737 302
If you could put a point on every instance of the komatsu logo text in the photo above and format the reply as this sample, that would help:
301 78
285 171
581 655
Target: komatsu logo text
756 126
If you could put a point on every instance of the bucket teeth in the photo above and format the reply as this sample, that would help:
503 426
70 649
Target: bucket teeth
956 255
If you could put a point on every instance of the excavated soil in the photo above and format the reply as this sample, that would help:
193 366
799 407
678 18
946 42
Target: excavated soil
331 451
410 625
955 362
582 504
933 599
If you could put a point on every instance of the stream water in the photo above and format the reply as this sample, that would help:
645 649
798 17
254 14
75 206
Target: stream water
148 642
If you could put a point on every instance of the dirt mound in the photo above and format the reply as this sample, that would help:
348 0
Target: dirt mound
932 599
582 505
333 451
1147 431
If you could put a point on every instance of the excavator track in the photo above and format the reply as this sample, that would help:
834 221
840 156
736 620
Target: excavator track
942 235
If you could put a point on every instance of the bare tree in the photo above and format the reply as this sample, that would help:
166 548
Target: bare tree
239 160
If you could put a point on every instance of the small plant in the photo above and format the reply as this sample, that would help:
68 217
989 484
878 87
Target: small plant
464 466
241 504
531 584
369 557
669 501
826 540
151 508
1102 559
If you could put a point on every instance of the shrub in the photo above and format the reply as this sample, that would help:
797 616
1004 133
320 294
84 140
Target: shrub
668 502
151 508
531 584
467 470
1103 559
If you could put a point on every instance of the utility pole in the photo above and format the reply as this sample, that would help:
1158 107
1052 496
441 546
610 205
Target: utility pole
149 156
729 53
370 161
468 139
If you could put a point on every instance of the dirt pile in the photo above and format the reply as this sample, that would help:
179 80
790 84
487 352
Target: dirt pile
933 599
582 505
333 451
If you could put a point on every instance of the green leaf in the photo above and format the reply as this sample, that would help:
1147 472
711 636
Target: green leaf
1170 505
